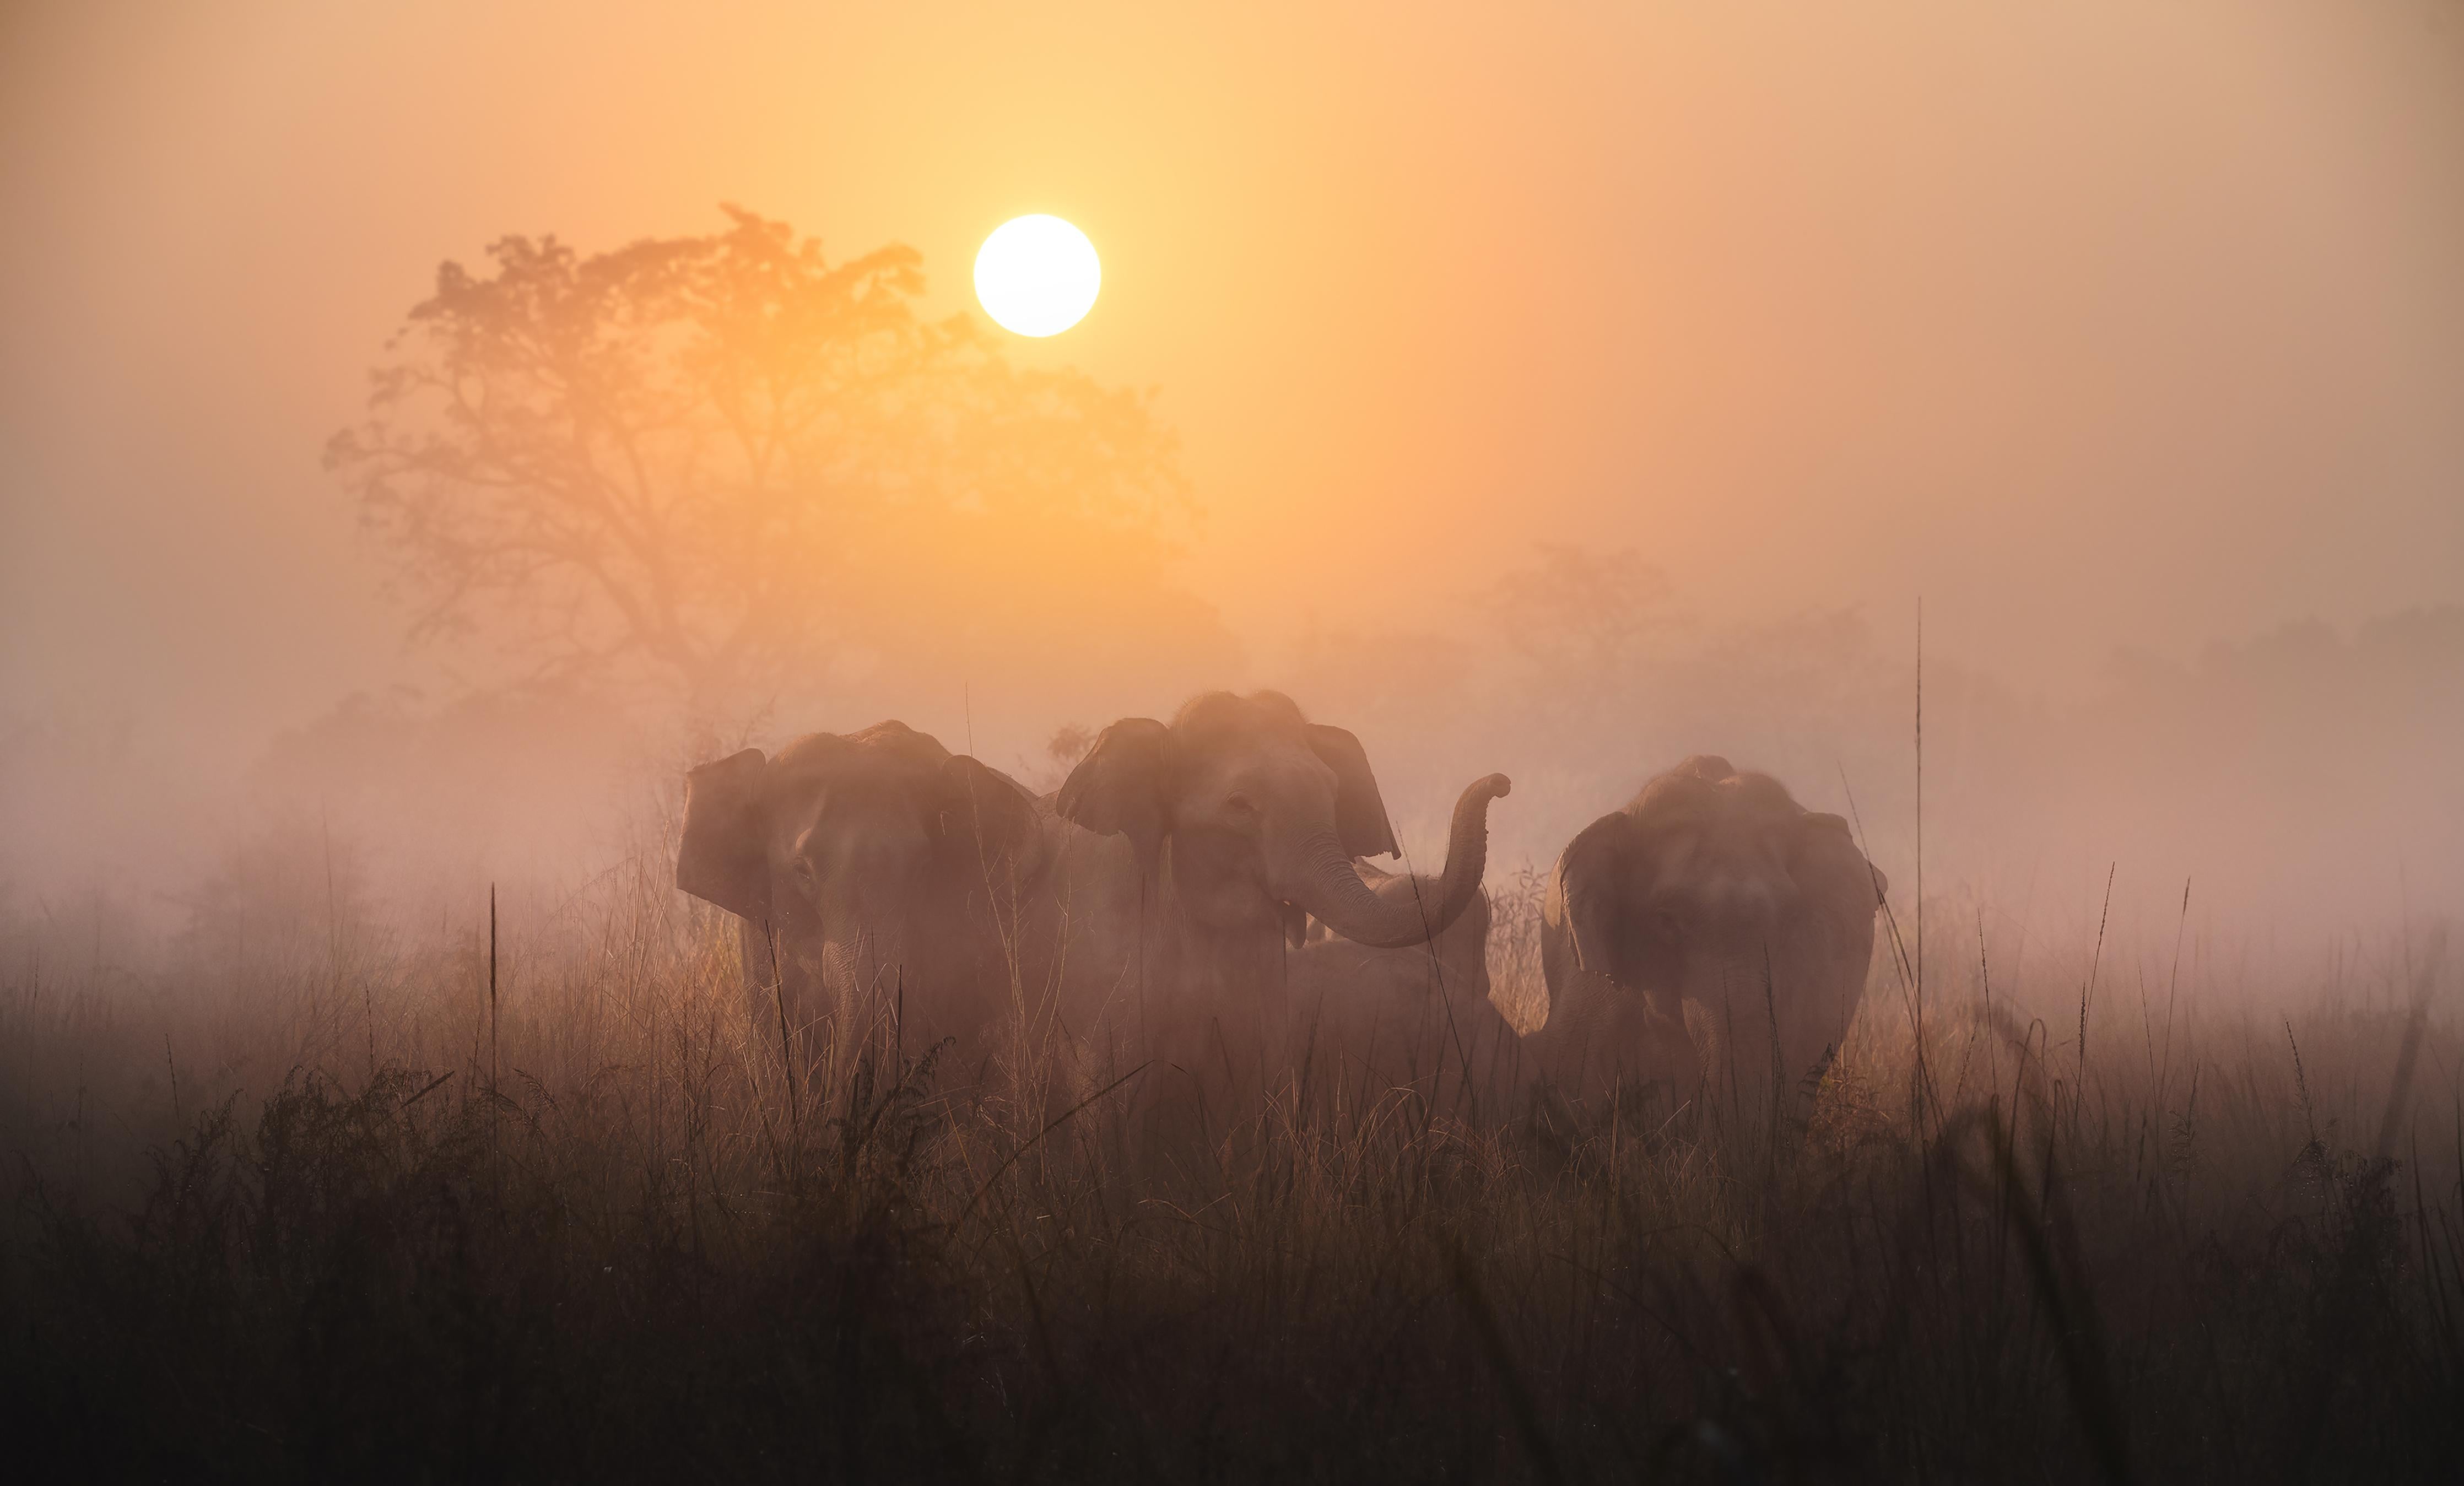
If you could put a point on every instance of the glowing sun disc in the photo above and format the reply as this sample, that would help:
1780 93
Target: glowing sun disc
1037 276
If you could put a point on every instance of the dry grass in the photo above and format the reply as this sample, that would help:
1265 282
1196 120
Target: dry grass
274 1219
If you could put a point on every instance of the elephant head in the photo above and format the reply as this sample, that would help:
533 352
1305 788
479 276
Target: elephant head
1710 872
1259 815
866 860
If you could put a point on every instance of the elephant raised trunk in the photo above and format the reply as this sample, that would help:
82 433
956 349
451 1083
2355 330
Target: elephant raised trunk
1324 882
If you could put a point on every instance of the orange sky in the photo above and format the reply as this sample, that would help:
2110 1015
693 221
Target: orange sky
2094 323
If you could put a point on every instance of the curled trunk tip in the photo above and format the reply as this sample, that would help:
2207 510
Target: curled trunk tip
1337 895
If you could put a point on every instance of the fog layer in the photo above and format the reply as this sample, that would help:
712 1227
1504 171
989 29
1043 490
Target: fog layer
2127 338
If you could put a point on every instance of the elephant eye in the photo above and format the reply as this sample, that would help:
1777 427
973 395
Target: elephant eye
1241 805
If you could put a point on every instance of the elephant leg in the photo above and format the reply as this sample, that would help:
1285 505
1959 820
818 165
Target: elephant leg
1478 1057
1174 1107
1664 1049
1820 990
1564 1045
758 960
1737 1002
1783 1028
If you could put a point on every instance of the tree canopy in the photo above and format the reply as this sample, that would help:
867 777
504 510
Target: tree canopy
725 464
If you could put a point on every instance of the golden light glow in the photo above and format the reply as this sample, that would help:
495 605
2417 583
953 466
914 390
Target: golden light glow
1037 276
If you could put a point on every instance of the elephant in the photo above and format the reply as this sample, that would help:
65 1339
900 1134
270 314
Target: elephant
1235 824
1372 1021
883 882
1714 887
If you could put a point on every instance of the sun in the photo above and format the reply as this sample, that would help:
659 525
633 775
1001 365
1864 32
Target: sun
1037 276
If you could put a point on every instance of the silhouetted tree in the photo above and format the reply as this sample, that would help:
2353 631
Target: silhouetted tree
727 461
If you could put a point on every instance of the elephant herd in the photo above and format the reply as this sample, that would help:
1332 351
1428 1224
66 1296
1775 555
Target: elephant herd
1195 904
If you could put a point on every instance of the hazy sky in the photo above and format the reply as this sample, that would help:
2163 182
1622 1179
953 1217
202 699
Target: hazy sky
2095 323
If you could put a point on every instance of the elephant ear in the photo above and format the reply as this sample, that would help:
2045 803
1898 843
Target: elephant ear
722 858
985 808
1591 882
1120 787
1360 821
1828 863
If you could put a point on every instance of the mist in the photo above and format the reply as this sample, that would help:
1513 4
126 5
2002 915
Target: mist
460 1020
2124 345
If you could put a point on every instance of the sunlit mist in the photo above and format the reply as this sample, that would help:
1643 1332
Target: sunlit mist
1693 741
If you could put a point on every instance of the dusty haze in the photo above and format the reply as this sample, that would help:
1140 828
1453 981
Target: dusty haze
2107 330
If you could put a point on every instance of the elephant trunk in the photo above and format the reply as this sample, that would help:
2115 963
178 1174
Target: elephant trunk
1325 885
